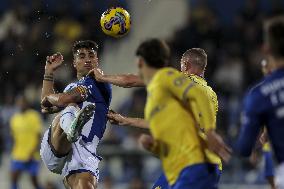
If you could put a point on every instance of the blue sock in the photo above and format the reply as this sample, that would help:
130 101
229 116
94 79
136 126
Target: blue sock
14 186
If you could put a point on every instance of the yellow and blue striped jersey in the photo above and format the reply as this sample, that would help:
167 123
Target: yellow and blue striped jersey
179 109
25 129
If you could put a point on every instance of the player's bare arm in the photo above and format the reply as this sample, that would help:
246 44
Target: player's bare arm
121 80
156 147
52 63
35 150
116 118
75 95
216 144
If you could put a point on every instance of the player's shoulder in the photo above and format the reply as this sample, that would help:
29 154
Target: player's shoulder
167 73
253 96
212 93
70 86
255 91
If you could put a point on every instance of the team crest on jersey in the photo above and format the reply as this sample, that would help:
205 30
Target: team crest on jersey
158 187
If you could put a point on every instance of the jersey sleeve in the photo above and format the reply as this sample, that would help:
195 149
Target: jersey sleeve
193 96
82 88
251 124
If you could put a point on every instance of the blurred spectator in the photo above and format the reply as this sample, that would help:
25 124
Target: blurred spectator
26 129
136 183
50 185
7 109
107 182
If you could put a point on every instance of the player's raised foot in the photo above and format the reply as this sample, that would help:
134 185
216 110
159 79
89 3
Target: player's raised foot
83 116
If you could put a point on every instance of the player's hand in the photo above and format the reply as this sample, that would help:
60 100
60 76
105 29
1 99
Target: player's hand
45 103
146 141
216 144
116 118
157 147
53 62
50 110
97 74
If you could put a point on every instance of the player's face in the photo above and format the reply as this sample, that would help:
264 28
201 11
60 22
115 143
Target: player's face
85 60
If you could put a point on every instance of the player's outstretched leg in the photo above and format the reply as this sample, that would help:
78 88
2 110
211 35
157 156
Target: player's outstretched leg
55 146
58 139
83 116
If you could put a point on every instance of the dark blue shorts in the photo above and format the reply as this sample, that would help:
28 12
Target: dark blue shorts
32 167
199 176
162 183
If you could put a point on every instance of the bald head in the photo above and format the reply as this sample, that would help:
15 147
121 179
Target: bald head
194 61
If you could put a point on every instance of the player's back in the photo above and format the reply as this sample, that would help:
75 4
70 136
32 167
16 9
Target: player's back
211 156
270 108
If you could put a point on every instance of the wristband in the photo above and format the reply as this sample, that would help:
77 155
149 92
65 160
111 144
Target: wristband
48 78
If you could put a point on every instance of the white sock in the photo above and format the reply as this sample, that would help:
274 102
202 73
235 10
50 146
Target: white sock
67 116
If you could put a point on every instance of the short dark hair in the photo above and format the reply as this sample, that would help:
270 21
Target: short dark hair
196 56
88 44
155 52
274 35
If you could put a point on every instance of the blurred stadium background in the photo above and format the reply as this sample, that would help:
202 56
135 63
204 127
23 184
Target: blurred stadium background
230 32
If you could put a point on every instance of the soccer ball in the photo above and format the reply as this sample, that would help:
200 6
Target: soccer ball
115 22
